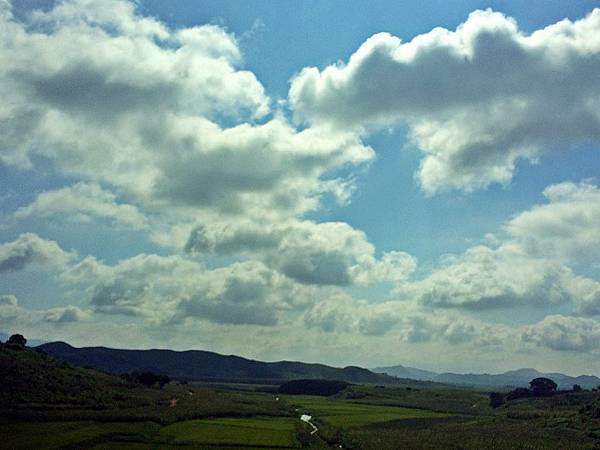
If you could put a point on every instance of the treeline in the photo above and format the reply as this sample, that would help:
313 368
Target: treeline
538 387
149 379
313 387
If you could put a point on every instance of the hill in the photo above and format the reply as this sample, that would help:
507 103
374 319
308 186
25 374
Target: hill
198 365
407 372
512 378
37 387
32 377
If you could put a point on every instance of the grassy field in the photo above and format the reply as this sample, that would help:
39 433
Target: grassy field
255 431
344 413
55 435
565 421
491 433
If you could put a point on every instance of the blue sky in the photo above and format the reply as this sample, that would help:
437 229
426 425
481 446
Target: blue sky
299 180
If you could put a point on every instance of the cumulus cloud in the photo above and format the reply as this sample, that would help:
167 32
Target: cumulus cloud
476 100
406 321
508 276
154 131
566 227
31 251
172 289
330 253
66 314
564 333
9 306
83 201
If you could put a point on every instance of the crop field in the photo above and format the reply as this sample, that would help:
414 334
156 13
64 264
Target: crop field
255 431
341 413
562 422
55 435
259 432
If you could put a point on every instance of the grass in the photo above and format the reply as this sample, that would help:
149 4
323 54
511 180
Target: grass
496 433
256 431
343 413
55 435
442 399
260 432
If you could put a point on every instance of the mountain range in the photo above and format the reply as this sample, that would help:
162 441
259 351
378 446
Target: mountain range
198 365
512 378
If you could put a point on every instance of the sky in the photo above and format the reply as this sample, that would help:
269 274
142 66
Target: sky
355 183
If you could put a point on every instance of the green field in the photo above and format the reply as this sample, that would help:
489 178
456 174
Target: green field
55 435
566 421
255 431
341 413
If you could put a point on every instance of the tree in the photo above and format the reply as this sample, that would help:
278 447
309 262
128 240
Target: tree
542 387
16 341
496 399
147 378
577 388
518 393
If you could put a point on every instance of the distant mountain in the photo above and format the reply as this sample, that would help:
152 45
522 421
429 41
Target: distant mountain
197 365
512 378
407 372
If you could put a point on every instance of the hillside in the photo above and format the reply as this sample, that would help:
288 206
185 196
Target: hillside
513 378
35 386
32 377
197 365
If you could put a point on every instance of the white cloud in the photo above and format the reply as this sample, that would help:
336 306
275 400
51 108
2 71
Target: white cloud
564 333
476 100
31 251
330 253
406 322
153 130
66 314
566 227
83 200
172 288
9 306
485 278
11 311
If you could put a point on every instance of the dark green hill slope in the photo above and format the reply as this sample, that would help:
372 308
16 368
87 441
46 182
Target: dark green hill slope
35 386
29 377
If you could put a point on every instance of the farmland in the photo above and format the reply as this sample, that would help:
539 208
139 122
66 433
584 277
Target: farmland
47 404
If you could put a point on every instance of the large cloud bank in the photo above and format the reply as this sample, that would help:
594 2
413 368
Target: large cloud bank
476 100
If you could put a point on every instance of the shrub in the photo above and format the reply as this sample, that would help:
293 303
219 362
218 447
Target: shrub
496 399
313 387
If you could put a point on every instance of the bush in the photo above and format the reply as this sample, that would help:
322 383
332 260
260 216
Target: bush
147 378
496 399
313 387
519 393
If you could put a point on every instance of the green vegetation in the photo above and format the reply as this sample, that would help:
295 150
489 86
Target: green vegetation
35 386
343 413
47 404
313 387
256 431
